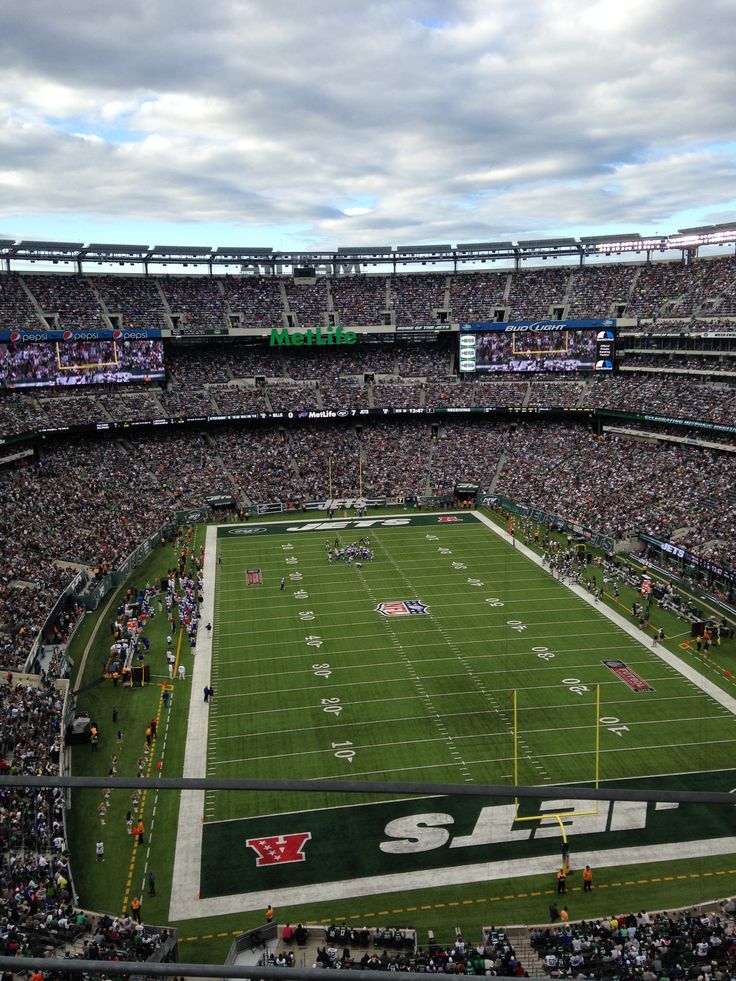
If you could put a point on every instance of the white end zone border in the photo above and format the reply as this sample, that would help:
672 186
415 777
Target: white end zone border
185 903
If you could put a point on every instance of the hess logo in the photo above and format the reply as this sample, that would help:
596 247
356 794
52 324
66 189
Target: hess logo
279 849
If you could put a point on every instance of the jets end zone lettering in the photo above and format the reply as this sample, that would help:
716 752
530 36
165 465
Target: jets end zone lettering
400 838
414 520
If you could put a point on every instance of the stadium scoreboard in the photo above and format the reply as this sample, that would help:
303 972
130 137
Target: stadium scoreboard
538 345
73 358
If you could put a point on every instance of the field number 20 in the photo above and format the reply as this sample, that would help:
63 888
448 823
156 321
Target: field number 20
331 705
575 685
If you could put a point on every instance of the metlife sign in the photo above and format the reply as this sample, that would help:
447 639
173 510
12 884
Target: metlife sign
467 352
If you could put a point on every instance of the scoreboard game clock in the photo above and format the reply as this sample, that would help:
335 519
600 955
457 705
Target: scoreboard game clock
537 346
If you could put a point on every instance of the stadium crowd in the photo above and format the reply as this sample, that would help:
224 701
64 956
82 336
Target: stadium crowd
116 492
223 379
684 945
192 304
624 486
85 504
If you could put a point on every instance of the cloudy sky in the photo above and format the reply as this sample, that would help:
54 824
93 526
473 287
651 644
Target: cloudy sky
303 123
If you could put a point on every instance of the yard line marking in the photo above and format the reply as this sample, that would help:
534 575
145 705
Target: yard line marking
423 645
563 621
255 734
614 682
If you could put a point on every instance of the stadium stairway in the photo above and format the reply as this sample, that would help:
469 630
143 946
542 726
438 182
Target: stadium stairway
162 297
34 303
632 290
518 937
101 303
497 474
234 486
585 393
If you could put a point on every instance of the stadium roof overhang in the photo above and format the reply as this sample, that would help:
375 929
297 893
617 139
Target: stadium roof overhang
385 255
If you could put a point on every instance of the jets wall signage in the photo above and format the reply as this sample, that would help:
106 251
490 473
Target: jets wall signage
343 525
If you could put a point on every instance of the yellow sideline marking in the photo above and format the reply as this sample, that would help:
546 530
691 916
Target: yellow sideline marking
141 808
494 899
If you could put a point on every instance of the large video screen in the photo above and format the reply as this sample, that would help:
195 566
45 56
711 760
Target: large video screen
56 363
565 345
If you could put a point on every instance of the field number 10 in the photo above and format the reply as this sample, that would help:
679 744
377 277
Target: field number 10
614 725
344 754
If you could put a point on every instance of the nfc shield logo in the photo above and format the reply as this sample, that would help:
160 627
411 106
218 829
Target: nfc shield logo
280 849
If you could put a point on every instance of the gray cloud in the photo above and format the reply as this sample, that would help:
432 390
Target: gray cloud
455 120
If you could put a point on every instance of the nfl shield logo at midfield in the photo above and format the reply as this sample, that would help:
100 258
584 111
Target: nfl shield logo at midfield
402 608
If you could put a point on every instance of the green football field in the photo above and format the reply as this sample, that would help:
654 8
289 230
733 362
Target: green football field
315 680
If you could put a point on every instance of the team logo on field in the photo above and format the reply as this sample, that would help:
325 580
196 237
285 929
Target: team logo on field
280 849
448 517
402 608
247 531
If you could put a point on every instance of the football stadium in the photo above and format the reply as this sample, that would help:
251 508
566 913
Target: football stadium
364 606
